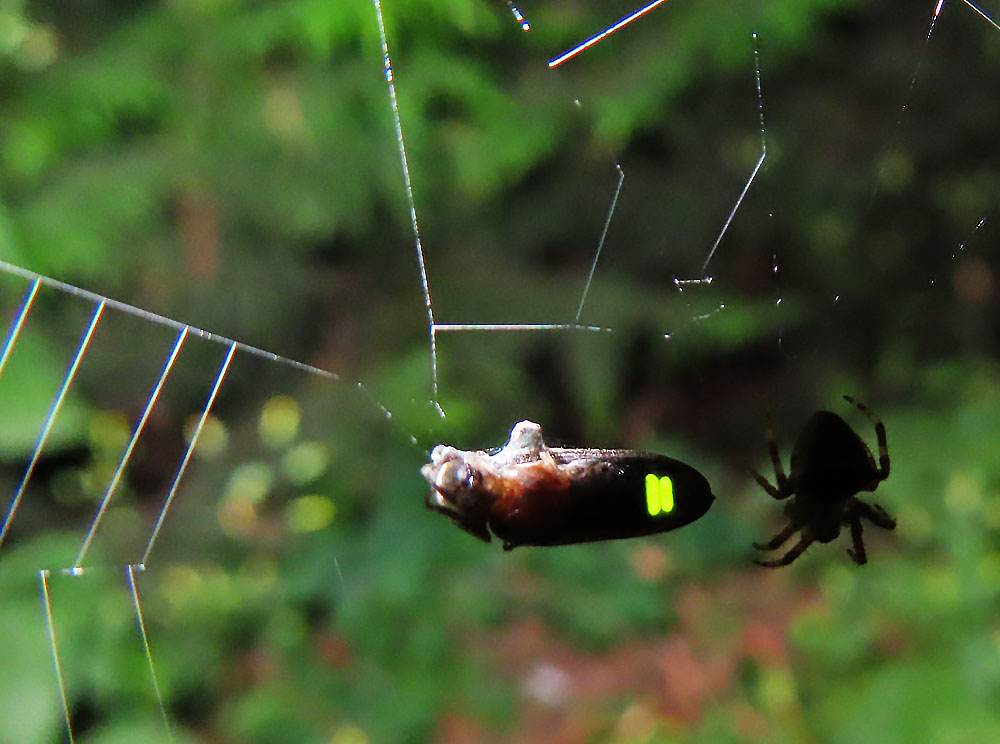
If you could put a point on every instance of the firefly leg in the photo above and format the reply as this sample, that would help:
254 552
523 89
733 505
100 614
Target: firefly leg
475 527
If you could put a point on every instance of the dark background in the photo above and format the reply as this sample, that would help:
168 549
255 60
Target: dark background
233 165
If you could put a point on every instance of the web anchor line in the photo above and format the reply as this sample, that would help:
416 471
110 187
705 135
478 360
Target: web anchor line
414 222
576 325
982 14
961 246
960 250
517 327
600 36
140 621
518 15
705 278
46 596
600 242
45 592
904 107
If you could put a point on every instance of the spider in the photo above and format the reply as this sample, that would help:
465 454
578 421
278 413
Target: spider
830 465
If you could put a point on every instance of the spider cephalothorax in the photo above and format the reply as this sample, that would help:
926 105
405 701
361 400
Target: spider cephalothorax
830 465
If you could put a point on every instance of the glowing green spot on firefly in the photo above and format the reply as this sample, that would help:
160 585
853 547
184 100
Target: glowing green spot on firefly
659 494
666 494
652 494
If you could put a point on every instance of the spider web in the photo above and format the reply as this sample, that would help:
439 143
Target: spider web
220 355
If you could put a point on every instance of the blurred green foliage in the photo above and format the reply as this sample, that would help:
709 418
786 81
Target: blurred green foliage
233 164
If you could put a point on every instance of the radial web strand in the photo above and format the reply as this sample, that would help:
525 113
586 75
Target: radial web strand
411 202
518 15
602 35
705 278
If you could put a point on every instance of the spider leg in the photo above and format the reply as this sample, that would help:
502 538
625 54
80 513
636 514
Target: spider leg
781 490
772 448
788 557
876 515
775 542
857 553
883 446
763 483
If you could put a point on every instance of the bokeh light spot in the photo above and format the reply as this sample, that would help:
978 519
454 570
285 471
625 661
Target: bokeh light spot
279 421
348 734
310 513
213 439
109 431
964 495
249 483
941 588
305 462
